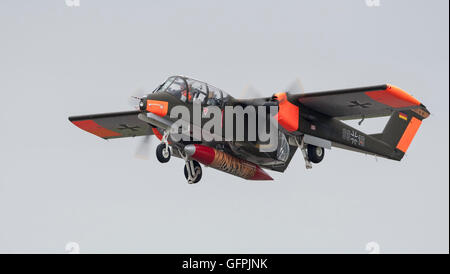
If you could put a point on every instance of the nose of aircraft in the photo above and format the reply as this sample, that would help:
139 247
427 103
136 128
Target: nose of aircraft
142 104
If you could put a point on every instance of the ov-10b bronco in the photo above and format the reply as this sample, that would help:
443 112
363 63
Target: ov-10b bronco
245 137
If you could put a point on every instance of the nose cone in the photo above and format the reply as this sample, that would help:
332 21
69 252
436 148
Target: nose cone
142 104
261 175
190 150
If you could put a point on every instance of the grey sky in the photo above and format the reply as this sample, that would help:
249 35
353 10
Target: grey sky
61 184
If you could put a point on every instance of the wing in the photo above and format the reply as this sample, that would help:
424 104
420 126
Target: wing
368 102
113 125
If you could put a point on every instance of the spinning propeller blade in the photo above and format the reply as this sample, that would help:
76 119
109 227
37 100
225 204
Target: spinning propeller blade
143 149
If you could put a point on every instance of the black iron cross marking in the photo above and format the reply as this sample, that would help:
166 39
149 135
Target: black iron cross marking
358 104
125 126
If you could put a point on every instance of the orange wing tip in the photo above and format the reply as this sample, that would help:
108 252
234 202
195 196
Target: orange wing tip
394 97
94 128
403 95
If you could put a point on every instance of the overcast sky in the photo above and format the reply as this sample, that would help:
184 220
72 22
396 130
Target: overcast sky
59 184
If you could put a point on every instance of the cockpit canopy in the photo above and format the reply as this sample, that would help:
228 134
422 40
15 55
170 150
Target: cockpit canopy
190 90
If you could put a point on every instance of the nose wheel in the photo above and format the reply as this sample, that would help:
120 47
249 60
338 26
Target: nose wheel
163 153
163 150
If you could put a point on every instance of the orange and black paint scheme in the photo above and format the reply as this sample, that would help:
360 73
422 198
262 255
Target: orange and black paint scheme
309 121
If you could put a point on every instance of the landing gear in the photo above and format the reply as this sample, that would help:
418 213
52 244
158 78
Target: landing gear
163 153
192 171
315 153
162 150
302 147
311 153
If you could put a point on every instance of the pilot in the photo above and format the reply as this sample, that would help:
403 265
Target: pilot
211 100
186 94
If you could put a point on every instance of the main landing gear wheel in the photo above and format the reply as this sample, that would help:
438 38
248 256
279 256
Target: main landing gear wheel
194 174
163 153
315 154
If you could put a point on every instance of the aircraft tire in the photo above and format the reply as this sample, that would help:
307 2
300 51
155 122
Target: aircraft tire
197 167
161 154
315 153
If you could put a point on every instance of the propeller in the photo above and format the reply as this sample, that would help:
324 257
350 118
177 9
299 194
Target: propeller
295 86
135 97
250 92
143 148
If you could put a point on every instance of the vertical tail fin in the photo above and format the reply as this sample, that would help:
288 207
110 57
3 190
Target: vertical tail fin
401 129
